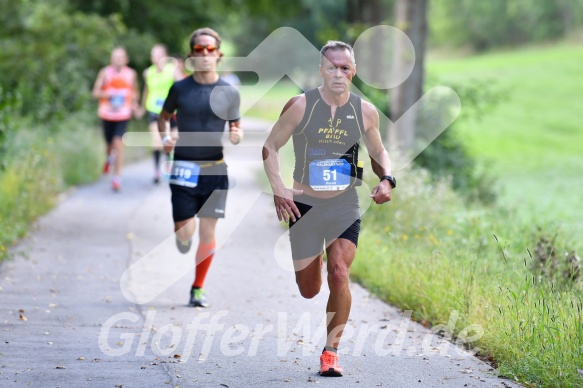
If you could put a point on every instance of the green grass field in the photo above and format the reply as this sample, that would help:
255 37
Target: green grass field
533 139
430 252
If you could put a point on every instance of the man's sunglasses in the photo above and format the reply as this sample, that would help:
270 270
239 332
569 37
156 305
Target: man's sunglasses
199 48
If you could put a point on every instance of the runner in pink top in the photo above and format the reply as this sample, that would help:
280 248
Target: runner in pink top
116 88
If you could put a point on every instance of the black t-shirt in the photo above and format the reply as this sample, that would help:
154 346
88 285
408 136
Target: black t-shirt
201 113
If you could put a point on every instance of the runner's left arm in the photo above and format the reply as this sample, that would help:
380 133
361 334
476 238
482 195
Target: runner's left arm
234 116
379 157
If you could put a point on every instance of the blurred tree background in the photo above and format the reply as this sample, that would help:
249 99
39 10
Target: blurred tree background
50 51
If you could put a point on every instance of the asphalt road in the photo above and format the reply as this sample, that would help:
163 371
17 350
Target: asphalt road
98 297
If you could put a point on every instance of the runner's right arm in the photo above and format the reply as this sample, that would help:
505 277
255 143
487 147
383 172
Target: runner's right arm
168 141
97 92
170 106
280 134
144 93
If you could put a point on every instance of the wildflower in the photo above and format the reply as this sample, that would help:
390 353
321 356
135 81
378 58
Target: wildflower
449 232
404 237
433 239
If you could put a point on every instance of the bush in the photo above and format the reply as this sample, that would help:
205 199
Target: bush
9 104
487 24
57 52
39 163
28 183
447 156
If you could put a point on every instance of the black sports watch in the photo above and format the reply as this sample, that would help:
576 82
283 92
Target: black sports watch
391 180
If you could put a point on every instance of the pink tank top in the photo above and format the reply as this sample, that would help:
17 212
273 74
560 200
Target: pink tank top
118 106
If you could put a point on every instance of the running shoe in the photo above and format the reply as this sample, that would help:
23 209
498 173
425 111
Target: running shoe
183 246
108 162
197 298
329 365
116 184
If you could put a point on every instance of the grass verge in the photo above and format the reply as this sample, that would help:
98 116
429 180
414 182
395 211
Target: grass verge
508 269
41 162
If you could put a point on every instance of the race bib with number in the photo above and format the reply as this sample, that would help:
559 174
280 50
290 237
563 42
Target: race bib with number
184 174
117 101
329 174
159 102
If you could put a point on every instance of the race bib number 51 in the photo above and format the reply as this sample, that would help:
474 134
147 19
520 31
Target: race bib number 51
329 174
184 174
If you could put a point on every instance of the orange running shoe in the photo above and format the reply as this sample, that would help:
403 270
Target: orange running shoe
329 365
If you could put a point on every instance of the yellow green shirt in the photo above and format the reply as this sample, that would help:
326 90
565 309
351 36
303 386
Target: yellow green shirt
158 85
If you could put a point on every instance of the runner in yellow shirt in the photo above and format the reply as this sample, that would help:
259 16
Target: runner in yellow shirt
158 79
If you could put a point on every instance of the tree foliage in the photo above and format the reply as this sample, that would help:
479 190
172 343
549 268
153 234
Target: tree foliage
48 55
495 23
172 24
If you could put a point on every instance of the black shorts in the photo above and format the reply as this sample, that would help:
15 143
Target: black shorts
113 129
322 222
153 117
207 200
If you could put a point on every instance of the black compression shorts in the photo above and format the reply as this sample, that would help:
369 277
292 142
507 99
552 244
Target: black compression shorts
153 117
113 129
322 222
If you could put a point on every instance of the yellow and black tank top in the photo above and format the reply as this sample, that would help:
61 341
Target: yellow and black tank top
325 147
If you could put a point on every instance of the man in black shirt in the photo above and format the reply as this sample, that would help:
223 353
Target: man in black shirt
198 181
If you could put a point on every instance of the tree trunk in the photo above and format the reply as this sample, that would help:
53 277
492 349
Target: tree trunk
411 17
371 13
566 14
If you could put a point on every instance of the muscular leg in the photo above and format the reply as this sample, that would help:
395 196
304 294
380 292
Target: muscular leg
206 250
309 275
340 255
108 150
108 140
207 230
117 148
185 229
156 138
156 148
